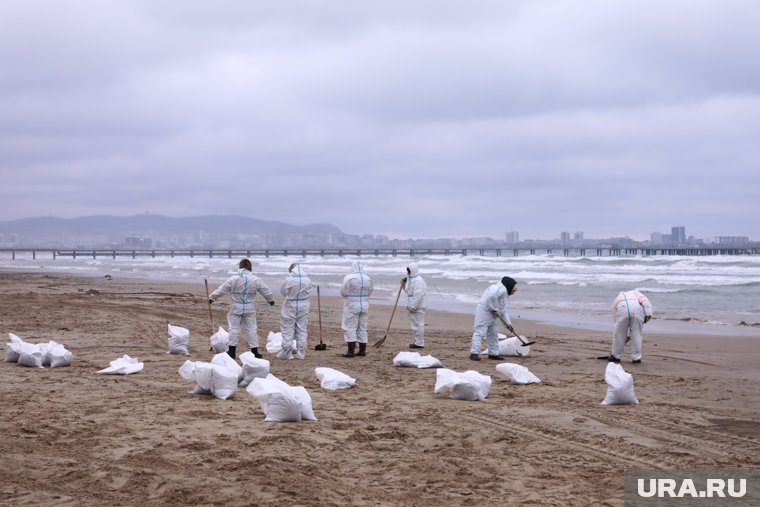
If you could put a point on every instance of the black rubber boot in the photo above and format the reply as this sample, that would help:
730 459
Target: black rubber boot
231 351
255 352
351 348
362 349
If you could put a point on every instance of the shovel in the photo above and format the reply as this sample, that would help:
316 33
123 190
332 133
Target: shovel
382 340
320 345
523 342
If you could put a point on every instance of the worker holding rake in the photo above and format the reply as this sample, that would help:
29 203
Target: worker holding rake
493 305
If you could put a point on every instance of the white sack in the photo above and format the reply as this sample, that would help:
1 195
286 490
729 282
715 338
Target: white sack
210 378
619 386
30 355
223 359
281 402
469 385
274 342
124 365
512 346
57 355
415 360
333 379
253 367
220 341
13 348
517 374
179 340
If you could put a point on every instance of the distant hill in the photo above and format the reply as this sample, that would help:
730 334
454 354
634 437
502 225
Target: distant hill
114 229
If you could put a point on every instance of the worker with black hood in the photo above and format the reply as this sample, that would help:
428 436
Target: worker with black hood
494 303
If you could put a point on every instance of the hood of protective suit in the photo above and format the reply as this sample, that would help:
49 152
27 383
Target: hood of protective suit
297 271
357 267
414 270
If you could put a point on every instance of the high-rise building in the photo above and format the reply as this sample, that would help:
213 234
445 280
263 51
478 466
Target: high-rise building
678 234
565 238
578 235
512 237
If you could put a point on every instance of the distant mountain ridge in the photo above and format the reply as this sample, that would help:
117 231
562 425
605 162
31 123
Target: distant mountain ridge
158 224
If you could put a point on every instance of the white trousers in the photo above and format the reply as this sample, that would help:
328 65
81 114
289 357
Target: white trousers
355 326
485 327
622 325
294 329
417 324
246 324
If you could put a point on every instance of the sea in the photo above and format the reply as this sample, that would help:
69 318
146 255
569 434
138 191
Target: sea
690 294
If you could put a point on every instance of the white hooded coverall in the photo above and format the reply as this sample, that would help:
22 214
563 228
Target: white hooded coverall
242 289
415 289
356 289
628 311
494 299
294 315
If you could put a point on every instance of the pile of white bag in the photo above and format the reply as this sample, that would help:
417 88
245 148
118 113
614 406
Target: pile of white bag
469 385
619 386
124 365
36 355
179 340
333 379
280 401
222 376
517 374
415 360
274 346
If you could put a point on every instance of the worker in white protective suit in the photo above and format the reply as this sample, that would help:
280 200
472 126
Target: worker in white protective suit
630 311
493 305
356 289
415 288
294 315
241 316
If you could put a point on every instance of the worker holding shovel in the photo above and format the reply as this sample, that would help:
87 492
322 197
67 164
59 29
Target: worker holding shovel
294 315
242 289
493 305
415 287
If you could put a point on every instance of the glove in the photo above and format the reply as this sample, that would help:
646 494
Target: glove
647 318
210 301
494 313
403 281
412 310
271 303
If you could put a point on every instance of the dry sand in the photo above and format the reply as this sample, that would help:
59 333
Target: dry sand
71 437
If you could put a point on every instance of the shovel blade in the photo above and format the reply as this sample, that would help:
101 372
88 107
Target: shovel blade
320 346
525 344
379 342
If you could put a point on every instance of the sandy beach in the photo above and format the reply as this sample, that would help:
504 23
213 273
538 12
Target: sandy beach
71 437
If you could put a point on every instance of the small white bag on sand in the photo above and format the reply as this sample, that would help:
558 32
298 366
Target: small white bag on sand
619 386
512 346
210 378
13 348
56 355
253 367
224 359
333 379
469 385
124 365
30 355
220 341
281 402
415 360
517 374
179 340
274 342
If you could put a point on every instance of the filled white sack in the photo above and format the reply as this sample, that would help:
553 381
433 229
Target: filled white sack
415 360
13 348
124 365
333 379
517 374
280 401
512 346
220 341
619 386
469 385
30 355
179 340
56 355
224 359
210 378
274 342
253 367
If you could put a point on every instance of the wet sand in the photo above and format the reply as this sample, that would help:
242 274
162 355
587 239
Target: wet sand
71 437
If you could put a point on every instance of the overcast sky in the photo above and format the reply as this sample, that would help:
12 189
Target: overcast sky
407 118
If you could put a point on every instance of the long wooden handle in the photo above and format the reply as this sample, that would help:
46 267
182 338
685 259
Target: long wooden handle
319 313
210 318
394 308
